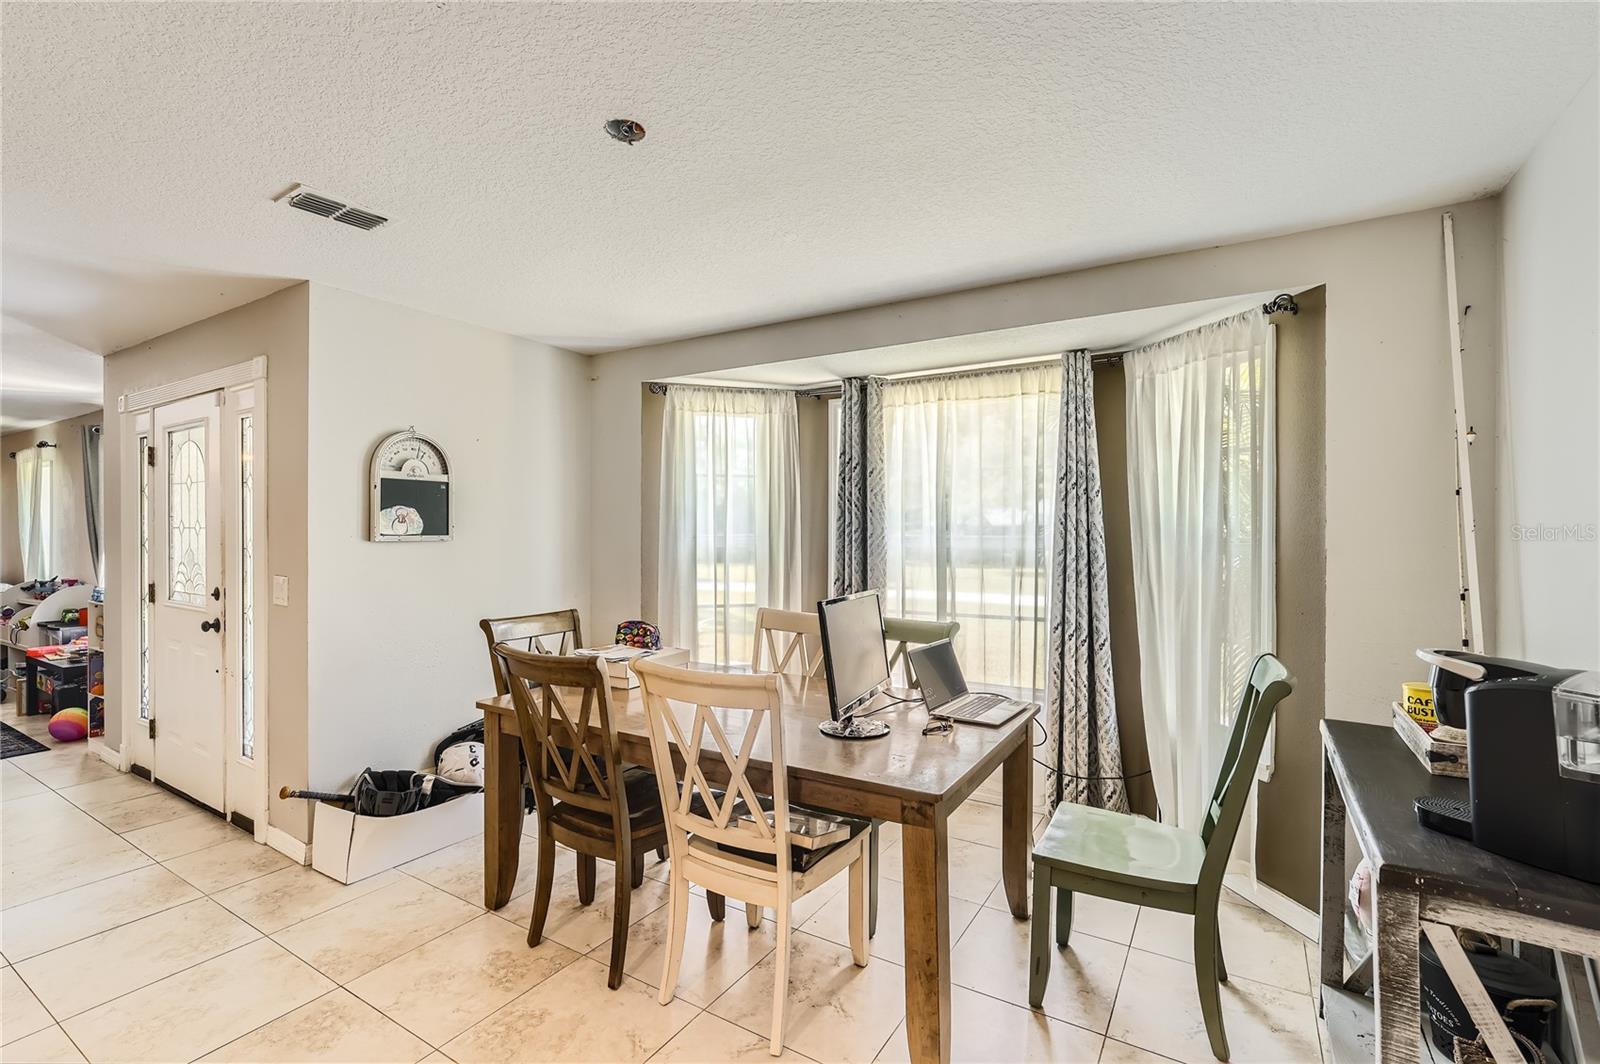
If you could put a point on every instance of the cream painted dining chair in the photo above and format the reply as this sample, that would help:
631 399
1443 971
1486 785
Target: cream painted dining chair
792 641
714 840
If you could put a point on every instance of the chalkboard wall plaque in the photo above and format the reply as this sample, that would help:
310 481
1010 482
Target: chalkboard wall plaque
410 490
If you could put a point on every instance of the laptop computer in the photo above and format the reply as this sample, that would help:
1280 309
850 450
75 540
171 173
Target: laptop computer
944 689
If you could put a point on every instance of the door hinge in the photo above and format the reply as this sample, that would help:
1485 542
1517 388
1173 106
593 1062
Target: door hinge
152 723
150 591
150 456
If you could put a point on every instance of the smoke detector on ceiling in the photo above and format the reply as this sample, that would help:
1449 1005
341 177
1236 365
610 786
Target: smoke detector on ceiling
322 205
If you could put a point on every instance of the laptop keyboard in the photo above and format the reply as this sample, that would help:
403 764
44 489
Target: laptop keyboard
975 706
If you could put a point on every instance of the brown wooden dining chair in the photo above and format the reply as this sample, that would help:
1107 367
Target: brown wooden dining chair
587 799
552 632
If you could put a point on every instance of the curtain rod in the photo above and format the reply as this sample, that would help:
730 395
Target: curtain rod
41 444
1282 303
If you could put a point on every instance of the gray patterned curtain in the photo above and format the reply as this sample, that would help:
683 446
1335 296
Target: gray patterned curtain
858 544
91 499
1085 763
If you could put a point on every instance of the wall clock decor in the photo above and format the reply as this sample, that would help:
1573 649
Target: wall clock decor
410 489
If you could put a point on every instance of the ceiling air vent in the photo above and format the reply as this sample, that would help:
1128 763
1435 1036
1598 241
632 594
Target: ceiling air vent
304 199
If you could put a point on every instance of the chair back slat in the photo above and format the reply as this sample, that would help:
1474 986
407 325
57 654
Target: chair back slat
1270 683
792 641
727 714
553 632
563 707
905 633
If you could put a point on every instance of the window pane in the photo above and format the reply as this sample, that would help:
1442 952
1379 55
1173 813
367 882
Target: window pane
186 515
247 581
144 578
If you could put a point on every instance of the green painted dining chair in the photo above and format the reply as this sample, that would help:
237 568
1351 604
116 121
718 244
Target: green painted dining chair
1131 859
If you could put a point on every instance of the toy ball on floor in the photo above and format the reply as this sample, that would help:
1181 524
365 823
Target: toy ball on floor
69 725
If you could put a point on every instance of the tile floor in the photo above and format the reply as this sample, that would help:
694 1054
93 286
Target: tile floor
137 929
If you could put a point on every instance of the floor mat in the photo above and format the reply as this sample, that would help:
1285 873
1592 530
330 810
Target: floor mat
14 743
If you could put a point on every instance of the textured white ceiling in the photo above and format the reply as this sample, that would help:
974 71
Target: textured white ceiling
43 378
800 158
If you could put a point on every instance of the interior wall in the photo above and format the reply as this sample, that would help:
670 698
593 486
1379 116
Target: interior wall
396 657
1289 806
812 429
277 327
1111 437
71 519
1548 508
1391 582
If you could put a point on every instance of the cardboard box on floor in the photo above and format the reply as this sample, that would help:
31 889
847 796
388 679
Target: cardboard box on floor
348 847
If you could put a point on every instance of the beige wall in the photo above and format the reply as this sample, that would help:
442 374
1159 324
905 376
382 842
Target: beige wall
396 657
1548 510
1288 810
1390 527
276 327
71 522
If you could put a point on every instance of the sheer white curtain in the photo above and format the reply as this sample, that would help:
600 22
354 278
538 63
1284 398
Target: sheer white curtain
1201 473
730 521
969 488
36 532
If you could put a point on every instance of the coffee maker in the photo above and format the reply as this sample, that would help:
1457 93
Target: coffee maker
1533 763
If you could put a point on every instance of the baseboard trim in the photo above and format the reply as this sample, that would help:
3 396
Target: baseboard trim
1274 904
288 845
106 754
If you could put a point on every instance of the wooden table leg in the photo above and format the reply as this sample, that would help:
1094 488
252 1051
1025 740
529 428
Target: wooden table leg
1331 940
925 871
502 812
1016 833
1398 979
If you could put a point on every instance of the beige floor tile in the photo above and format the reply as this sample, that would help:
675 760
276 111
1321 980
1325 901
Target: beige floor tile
16 783
21 1013
977 821
133 955
835 1011
352 939
45 821
974 869
993 958
135 813
289 895
228 864
832 922
443 987
1116 1052
337 1027
583 927
1158 1009
100 794
186 834
49 1046
1101 917
458 869
1255 945
436 1057
66 766
31 929
712 1040
189 1014
715 954
572 1016
47 871
986 1031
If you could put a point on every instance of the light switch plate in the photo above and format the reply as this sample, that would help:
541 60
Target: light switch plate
280 590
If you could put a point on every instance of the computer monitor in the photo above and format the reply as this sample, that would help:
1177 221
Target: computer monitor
856 661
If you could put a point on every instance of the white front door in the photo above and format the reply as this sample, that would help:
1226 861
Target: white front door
187 700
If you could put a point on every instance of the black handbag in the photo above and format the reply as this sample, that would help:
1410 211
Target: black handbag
1524 996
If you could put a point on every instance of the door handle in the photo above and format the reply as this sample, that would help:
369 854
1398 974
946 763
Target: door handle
213 625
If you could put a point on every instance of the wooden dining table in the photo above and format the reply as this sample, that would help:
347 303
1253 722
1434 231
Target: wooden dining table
906 778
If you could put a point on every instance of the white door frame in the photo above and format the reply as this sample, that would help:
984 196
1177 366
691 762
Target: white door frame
244 394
